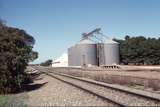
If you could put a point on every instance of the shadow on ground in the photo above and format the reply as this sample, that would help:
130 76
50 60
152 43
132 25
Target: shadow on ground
33 86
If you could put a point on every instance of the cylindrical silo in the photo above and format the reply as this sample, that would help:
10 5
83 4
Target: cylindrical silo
83 53
71 56
108 52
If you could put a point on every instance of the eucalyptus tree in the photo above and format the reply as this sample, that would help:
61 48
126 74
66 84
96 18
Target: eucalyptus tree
15 53
139 50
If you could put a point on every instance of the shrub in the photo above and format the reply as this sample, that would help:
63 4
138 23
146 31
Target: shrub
15 53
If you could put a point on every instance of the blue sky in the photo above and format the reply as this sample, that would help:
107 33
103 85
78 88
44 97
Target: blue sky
57 24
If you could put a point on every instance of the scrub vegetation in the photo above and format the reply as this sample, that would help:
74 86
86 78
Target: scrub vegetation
46 63
15 54
139 50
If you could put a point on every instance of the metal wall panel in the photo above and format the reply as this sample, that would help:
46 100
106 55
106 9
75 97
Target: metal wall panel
86 54
70 53
83 53
72 56
109 54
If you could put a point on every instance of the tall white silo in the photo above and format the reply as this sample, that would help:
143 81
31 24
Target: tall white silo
86 51
71 56
83 53
108 52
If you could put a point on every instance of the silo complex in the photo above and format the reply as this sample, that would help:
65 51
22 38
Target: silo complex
102 52
108 52
83 53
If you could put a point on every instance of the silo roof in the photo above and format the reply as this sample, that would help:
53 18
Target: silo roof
85 41
109 41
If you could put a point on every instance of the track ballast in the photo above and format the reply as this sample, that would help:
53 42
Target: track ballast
115 95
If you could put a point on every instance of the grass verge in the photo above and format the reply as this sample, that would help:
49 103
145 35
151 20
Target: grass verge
14 100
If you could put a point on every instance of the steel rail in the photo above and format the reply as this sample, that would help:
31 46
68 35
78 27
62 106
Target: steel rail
111 87
52 74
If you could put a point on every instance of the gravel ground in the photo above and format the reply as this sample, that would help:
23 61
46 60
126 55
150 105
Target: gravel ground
57 93
116 95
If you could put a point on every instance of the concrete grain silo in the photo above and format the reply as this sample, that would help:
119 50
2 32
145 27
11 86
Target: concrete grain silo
83 53
108 52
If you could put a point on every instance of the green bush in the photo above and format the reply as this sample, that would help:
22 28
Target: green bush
46 63
139 50
15 53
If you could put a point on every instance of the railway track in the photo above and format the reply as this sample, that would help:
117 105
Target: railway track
118 96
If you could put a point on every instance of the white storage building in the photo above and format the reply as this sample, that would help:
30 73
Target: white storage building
62 61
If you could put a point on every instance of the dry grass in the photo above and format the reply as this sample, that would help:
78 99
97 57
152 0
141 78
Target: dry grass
145 79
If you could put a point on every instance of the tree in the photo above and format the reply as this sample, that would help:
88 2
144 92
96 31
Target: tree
139 50
15 53
33 55
46 63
